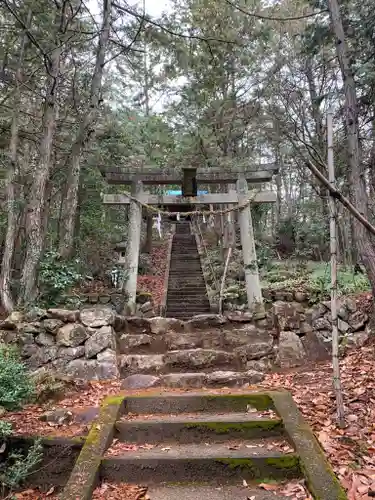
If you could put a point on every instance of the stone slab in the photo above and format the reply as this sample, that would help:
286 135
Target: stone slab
210 492
85 474
320 477
187 462
198 402
197 428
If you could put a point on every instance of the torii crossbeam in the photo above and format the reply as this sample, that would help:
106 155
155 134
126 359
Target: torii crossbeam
189 179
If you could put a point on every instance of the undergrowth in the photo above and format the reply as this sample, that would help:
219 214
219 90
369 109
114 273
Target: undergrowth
16 388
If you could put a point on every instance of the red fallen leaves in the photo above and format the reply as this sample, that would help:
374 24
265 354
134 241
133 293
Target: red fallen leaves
105 490
119 448
351 451
154 283
32 494
121 491
26 421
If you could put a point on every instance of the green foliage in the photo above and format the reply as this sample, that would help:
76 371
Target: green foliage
56 276
5 429
19 466
16 387
347 283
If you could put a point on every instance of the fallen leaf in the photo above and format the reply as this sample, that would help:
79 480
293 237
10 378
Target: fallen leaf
268 487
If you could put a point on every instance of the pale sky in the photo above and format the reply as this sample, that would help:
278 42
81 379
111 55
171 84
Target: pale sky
153 7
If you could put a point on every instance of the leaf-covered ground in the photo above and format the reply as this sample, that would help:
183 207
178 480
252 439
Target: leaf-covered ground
154 281
351 450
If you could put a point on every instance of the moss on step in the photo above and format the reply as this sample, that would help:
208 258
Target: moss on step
240 463
320 478
259 400
85 473
228 427
286 462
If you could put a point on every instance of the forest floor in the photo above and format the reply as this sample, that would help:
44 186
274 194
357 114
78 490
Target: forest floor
350 450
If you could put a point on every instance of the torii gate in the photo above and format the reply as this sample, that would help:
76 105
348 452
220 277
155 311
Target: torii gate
189 179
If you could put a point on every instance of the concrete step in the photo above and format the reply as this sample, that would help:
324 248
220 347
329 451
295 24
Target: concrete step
184 292
198 402
187 313
188 298
184 316
231 461
196 427
187 269
210 492
201 305
188 309
188 276
179 303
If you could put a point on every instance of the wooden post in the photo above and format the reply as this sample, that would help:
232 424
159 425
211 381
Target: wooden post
253 290
333 243
230 229
132 249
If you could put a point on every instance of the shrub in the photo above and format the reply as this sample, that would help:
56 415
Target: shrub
19 466
16 387
56 276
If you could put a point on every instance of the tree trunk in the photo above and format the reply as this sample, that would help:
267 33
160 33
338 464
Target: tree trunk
363 239
34 220
13 193
69 207
319 135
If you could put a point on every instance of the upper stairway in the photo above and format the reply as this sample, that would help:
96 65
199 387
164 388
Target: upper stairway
187 294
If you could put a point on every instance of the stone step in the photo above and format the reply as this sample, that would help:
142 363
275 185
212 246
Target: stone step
188 309
195 276
188 259
204 305
181 259
213 379
184 316
186 270
182 285
216 491
187 292
198 402
187 288
231 461
196 427
188 314
193 297
190 263
188 277
188 298
192 360
186 284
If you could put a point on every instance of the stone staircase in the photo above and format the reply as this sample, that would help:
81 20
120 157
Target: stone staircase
194 445
187 294
205 351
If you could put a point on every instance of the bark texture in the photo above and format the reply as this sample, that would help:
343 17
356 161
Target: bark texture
363 240
69 206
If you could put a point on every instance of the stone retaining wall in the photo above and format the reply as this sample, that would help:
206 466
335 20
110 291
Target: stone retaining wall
70 342
98 343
